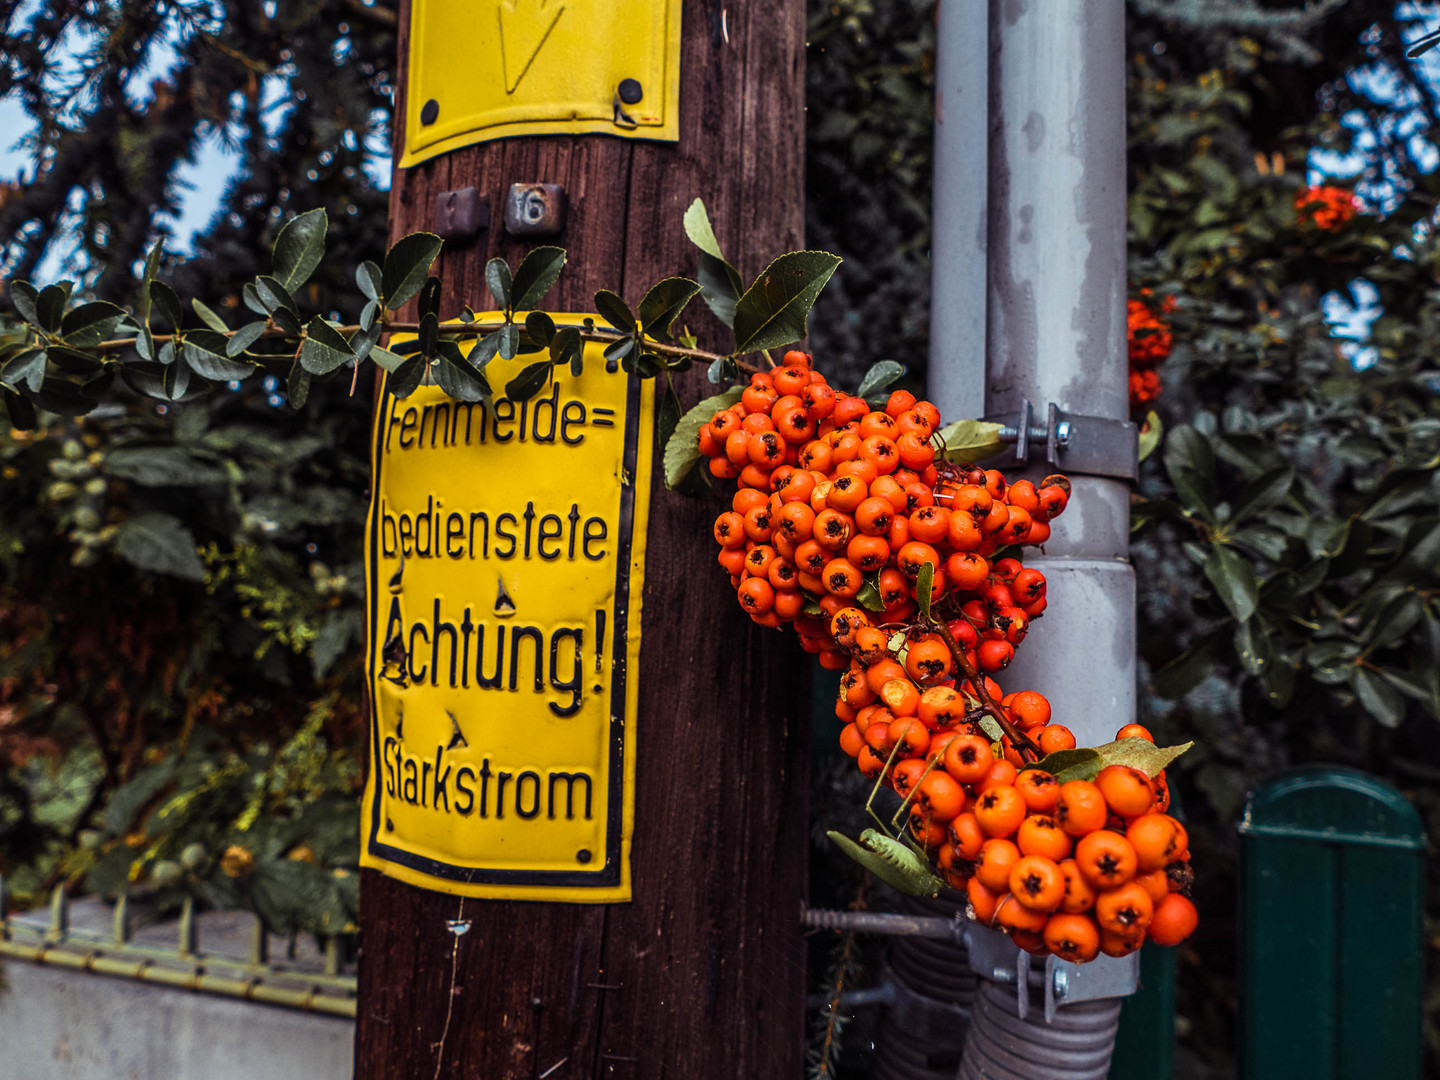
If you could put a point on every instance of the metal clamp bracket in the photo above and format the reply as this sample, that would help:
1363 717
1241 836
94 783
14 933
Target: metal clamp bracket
1079 445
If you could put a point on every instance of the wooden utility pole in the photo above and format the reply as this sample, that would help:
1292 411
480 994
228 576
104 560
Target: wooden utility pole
702 973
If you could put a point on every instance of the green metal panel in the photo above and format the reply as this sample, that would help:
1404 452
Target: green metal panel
1331 904
1145 1045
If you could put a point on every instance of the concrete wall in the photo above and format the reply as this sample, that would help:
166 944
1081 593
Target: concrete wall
58 1024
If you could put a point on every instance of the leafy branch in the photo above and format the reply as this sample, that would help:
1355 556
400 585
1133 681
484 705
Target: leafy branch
63 356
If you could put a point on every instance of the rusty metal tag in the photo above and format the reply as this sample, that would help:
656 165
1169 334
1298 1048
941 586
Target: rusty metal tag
497 68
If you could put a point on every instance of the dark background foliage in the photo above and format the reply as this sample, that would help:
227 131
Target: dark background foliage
179 585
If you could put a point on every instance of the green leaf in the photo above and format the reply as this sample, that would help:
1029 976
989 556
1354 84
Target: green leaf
720 283
890 861
152 267
540 327
682 450
615 311
484 350
529 382
407 377
497 277
324 348
663 303
924 586
25 298
1152 430
879 377
429 301
699 230
1263 493
536 276
968 440
92 323
407 265
50 307
567 349
297 386
166 303
429 334
1234 579
165 465
1085 762
869 596
385 358
508 337
208 317
28 370
21 412
274 295
461 381
161 544
1184 673
205 353
667 414
774 309
368 280
299 248
1379 697
243 338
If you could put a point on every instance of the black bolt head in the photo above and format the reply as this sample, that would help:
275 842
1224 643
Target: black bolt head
631 91
429 111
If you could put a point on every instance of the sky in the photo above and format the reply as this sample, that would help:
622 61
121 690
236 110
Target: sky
203 181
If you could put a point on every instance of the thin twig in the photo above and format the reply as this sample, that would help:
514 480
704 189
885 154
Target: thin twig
1019 739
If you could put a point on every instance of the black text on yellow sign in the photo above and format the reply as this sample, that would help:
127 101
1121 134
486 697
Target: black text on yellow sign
505 556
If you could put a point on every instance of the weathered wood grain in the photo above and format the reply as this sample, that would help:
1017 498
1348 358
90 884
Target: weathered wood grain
702 974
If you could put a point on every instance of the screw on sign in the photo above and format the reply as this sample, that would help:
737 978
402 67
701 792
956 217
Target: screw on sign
900 568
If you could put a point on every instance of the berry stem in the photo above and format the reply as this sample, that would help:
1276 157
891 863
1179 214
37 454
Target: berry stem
1019 739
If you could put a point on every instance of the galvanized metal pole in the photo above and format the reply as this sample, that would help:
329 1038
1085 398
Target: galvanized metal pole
958 214
1052 260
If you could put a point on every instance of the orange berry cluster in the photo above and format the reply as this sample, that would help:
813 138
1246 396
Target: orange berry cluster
1326 207
1075 868
834 496
1150 342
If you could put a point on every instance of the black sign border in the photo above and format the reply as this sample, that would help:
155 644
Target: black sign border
607 876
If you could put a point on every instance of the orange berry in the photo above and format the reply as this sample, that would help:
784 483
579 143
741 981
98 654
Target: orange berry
1013 915
1124 909
1079 894
1113 944
1106 859
968 758
1156 883
939 794
1075 938
1040 834
993 863
983 900
942 706
877 675
1174 920
965 834
928 661
1055 736
1037 883
1081 808
1158 840
1135 731
1039 789
1000 811
1128 791
1030 709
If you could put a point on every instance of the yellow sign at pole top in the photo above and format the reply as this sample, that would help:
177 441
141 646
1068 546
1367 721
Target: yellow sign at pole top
490 69
505 558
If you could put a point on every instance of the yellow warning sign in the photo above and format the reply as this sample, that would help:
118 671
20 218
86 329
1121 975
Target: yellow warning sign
490 69
505 554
